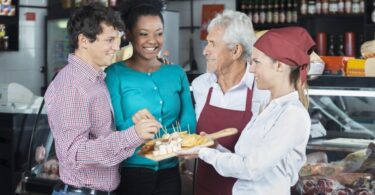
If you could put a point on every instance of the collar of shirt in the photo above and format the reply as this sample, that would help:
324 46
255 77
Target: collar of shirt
247 80
293 96
85 69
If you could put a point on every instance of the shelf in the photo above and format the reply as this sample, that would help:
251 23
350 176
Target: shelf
58 12
332 16
12 27
269 26
342 82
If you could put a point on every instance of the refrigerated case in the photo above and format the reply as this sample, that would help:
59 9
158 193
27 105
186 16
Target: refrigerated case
57 42
341 149
342 107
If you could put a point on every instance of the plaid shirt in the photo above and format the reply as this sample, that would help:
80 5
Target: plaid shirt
79 110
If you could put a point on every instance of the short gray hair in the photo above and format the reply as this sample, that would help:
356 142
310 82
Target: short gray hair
238 30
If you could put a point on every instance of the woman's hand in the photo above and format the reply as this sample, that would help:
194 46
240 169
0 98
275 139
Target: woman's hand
215 142
191 153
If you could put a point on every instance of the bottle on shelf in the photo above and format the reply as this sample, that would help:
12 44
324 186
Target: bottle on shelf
78 3
256 13
311 9
356 7
331 45
4 39
350 44
318 6
303 7
295 11
269 15
249 9
243 7
340 51
262 12
276 12
112 3
333 7
325 6
321 43
66 4
373 12
341 7
348 6
282 13
362 6
289 11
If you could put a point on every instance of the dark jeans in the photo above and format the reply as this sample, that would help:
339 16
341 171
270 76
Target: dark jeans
143 181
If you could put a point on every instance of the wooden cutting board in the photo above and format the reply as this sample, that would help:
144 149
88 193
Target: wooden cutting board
348 142
212 137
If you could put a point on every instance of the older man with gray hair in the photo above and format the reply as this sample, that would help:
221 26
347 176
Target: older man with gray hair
226 95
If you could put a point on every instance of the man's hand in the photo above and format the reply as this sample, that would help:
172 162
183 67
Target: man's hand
147 128
142 114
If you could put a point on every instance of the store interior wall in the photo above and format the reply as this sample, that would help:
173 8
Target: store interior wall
23 66
183 7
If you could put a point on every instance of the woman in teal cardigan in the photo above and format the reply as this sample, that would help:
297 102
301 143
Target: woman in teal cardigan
144 82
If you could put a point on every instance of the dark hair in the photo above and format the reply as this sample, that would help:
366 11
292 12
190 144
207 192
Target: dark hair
87 20
131 10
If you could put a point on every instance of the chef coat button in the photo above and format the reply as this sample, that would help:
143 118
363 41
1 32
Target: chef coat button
149 74
155 88
159 119
161 102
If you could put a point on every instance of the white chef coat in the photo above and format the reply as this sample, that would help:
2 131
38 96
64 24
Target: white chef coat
233 99
270 150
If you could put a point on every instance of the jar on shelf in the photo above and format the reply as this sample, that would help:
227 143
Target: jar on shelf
348 6
311 8
356 8
66 4
333 7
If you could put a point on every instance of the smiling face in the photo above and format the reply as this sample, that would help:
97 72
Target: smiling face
100 52
217 53
264 69
147 37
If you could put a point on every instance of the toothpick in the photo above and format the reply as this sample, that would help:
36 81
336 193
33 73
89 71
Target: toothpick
179 125
174 129
165 130
188 128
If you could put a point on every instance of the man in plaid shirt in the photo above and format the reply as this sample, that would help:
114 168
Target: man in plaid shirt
88 147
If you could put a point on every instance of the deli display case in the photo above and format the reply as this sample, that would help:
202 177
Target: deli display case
42 168
341 149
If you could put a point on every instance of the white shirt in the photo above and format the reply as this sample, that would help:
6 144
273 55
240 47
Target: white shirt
233 99
270 150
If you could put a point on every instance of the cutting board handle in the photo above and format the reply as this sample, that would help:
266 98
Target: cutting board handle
223 133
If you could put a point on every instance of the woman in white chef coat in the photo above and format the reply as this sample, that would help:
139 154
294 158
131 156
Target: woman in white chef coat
271 148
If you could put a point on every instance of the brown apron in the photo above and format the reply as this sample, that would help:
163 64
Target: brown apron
212 119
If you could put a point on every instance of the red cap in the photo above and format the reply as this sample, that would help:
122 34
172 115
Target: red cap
290 45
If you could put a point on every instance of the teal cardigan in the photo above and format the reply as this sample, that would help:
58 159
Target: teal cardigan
165 93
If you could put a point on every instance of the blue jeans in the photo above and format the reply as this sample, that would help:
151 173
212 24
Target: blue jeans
64 192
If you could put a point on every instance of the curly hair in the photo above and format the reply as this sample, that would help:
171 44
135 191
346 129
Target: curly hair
131 10
87 20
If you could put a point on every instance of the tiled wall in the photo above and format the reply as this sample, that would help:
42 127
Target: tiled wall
184 8
23 66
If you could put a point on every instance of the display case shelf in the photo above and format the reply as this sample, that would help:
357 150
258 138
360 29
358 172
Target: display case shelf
12 28
342 82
